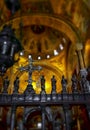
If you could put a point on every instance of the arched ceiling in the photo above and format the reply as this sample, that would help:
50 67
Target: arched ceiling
50 29
75 12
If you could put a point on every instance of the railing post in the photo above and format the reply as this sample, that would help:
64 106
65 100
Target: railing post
88 110
13 116
67 113
43 118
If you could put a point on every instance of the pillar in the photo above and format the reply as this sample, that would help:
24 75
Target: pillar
79 48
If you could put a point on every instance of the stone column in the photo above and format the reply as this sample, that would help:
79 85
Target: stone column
78 124
79 48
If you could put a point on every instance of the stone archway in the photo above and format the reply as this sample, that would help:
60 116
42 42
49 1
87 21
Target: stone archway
33 119
58 23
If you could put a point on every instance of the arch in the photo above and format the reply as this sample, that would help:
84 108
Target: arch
31 111
46 65
58 23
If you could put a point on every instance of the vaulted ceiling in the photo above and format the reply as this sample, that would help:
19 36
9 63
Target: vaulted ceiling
49 30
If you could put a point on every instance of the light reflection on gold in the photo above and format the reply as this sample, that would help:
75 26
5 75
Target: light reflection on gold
87 53
36 77
22 61
48 87
49 68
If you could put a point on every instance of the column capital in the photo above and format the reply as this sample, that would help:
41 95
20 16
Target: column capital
79 46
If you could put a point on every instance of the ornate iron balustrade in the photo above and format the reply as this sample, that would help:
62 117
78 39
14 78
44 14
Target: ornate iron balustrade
46 99
30 100
44 102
